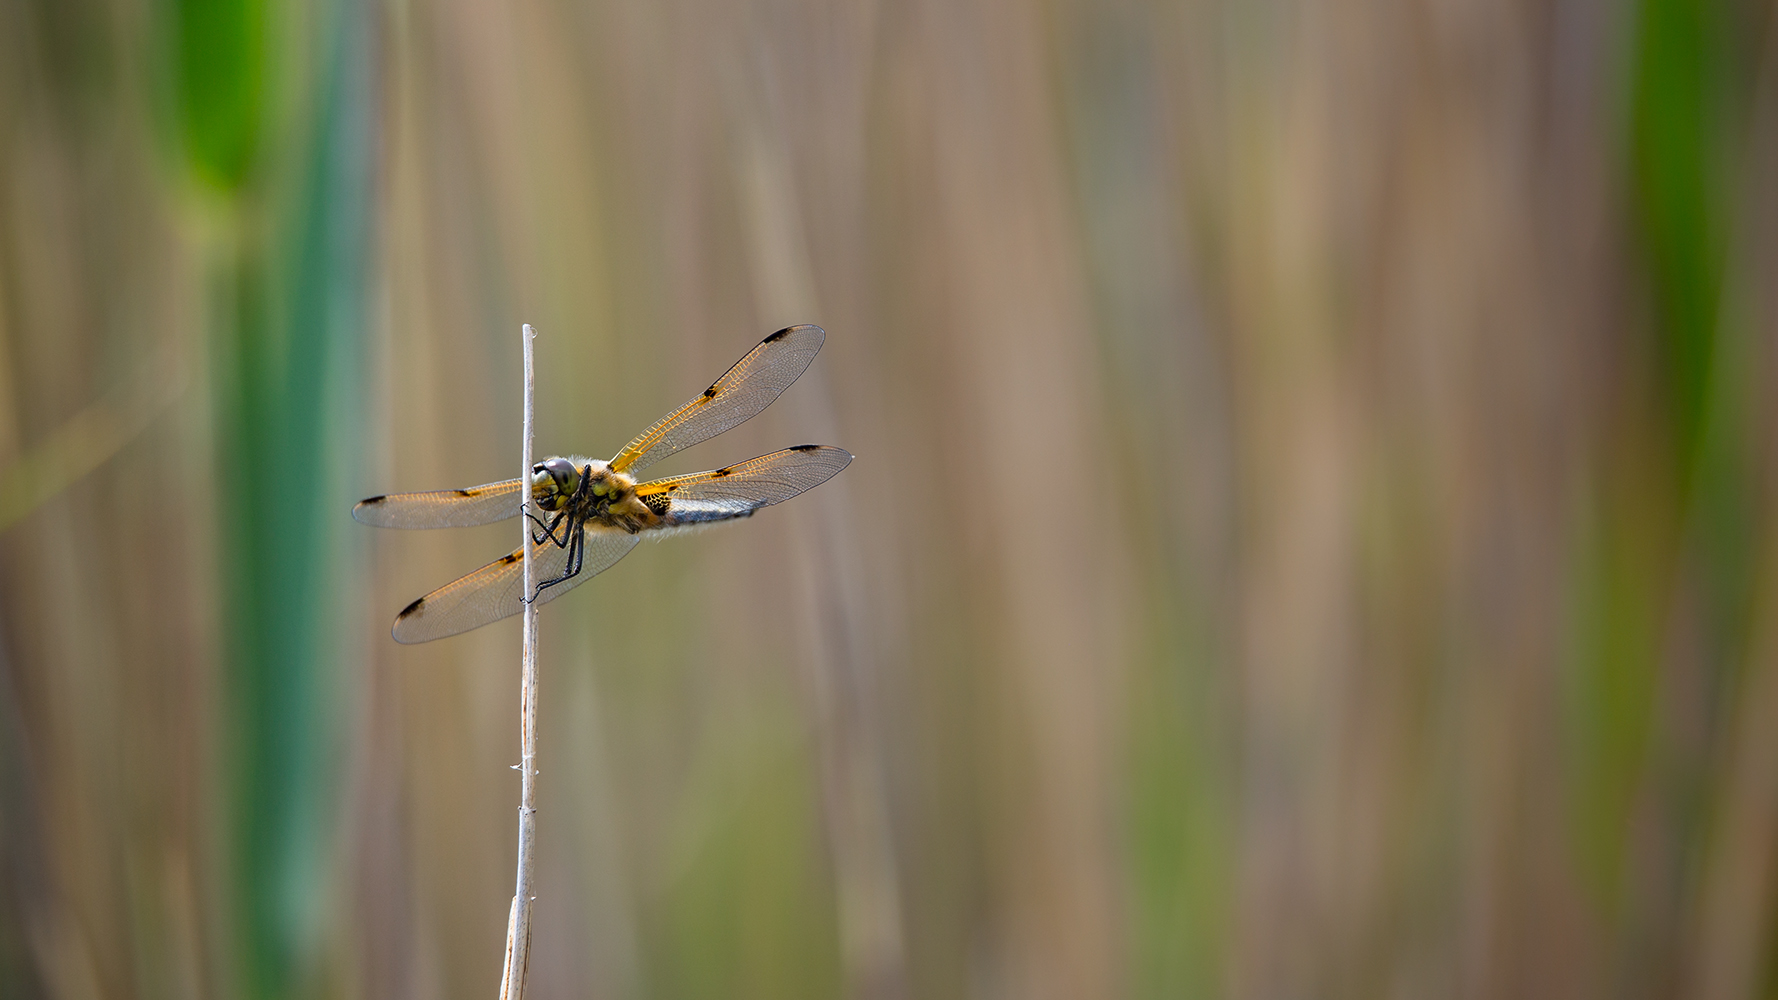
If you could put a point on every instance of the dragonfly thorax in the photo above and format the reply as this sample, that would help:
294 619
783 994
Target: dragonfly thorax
589 490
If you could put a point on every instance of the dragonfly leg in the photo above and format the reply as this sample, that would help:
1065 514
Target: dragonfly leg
549 530
576 556
579 558
534 519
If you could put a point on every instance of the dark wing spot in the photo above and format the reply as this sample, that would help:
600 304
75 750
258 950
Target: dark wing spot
777 336
411 609
367 501
468 493
658 503
719 473
709 392
510 558
672 486
805 447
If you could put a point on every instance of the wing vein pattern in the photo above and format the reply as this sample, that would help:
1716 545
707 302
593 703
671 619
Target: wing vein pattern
744 390
441 508
493 592
739 490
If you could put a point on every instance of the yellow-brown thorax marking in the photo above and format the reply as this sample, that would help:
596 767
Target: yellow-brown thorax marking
591 491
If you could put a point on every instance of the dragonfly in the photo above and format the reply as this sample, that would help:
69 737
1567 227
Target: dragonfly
587 514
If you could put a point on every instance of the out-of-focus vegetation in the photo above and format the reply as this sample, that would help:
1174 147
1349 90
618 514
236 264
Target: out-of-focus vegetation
1313 531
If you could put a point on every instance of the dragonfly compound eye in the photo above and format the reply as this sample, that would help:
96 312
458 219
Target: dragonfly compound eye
563 472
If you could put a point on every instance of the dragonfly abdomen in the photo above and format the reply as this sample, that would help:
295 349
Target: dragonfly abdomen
691 512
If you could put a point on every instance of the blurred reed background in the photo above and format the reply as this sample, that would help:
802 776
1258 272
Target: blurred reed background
1312 536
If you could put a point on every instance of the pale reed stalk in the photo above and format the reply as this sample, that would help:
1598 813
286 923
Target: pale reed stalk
518 923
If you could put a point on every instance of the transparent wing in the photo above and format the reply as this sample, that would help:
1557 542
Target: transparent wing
492 592
441 508
739 490
747 388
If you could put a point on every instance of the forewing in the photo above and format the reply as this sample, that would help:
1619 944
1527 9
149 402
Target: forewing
441 508
747 388
493 592
740 490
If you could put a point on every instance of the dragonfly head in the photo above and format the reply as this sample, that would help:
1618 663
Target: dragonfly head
553 482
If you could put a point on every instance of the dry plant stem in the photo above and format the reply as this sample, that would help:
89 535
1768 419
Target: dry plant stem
518 923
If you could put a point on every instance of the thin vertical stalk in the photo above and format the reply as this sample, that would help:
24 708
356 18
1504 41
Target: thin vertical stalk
518 923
